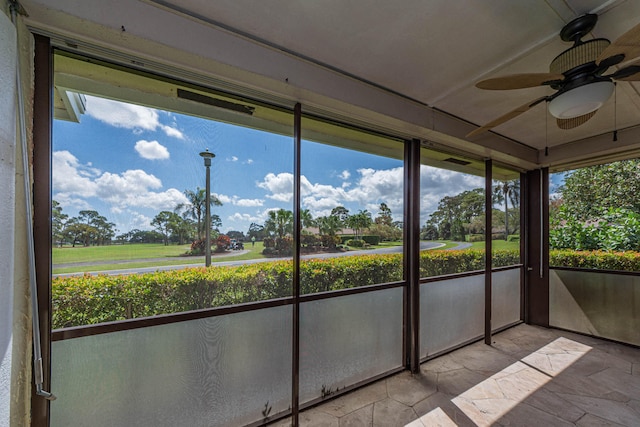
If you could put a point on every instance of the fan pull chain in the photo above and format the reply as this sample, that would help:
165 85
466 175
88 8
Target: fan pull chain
615 111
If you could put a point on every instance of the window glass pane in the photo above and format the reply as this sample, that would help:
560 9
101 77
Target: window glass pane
594 217
505 217
129 198
451 214
348 339
351 207
226 370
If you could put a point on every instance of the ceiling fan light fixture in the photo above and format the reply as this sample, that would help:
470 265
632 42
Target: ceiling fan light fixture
581 100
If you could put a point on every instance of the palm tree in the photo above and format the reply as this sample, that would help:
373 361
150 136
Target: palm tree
503 192
307 219
329 225
360 221
280 222
196 207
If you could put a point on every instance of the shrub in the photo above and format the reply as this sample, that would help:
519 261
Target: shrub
599 260
476 238
269 242
372 240
355 243
222 243
197 247
513 238
330 242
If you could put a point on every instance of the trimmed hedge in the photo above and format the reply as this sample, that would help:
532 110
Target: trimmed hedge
370 239
599 260
84 300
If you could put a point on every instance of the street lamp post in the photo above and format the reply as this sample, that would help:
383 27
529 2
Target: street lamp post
207 156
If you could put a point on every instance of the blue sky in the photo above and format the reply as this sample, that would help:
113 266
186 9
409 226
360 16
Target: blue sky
130 162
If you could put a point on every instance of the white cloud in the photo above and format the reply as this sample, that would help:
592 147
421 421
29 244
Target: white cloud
151 150
233 159
280 186
370 188
172 132
248 203
70 176
249 161
236 201
345 174
73 183
244 217
128 116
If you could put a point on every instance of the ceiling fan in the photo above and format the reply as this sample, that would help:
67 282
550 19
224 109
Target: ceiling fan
577 75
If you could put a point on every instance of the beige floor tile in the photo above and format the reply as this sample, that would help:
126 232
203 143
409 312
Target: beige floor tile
410 388
458 381
437 418
443 363
615 379
363 417
597 360
355 400
482 358
443 402
610 410
526 415
590 420
553 404
531 376
391 413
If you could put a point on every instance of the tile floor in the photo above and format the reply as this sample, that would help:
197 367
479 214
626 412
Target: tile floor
530 376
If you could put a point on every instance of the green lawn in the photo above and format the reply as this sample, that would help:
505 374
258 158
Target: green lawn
116 252
104 258
498 244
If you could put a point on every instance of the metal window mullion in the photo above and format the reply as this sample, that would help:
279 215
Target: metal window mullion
488 209
295 363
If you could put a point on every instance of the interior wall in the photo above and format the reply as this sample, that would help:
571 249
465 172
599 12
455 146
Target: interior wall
15 313
7 217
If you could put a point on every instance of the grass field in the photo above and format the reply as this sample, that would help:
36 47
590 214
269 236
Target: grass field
115 257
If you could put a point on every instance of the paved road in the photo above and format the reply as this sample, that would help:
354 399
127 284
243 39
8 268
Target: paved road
138 270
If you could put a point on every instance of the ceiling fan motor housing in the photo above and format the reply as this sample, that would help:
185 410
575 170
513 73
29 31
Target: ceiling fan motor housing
578 55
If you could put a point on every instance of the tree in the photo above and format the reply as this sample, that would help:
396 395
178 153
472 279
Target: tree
279 223
257 231
89 227
196 207
238 235
58 220
384 215
329 225
505 192
341 213
586 192
164 223
360 221
307 219
454 212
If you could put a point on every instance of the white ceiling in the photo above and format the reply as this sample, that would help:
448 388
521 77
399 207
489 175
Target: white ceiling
434 52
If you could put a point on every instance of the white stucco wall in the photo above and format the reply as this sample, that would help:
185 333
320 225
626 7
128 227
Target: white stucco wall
7 208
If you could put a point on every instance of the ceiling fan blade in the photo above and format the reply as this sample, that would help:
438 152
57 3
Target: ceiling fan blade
567 124
629 74
627 44
506 117
519 81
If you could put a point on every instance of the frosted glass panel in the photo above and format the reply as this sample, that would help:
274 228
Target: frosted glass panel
451 313
596 303
505 298
348 339
208 372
